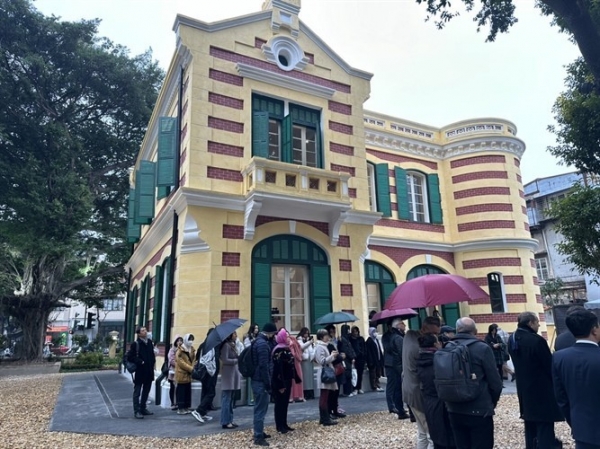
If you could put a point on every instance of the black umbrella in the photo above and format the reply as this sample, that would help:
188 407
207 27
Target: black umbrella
221 332
336 318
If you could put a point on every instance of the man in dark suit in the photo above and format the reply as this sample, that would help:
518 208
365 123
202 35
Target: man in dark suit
142 353
533 361
576 371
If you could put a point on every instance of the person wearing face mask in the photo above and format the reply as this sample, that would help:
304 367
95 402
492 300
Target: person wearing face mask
184 364
141 352
284 372
172 364
374 358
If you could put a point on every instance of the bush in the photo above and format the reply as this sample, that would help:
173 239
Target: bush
89 358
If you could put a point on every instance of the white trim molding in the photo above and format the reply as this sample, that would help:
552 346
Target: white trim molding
255 73
191 241
474 245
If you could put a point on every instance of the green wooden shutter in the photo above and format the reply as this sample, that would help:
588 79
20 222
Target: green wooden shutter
435 202
451 313
133 230
402 194
382 182
286 141
261 293
320 283
145 179
162 192
157 317
260 134
386 290
167 151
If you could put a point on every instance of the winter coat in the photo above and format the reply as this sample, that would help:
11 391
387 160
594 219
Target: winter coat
323 357
230 375
532 359
564 340
284 369
142 354
484 367
411 385
172 362
184 365
374 355
499 351
435 411
261 355
392 343
358 344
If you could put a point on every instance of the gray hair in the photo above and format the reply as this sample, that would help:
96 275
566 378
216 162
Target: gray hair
526 317
321 333
396 322
466 325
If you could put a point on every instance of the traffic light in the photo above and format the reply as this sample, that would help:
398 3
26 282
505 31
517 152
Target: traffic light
90 320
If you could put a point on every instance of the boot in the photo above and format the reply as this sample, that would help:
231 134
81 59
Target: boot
325 418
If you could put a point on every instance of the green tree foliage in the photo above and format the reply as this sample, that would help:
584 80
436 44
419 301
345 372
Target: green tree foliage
552 292
579 223
73 112
578 18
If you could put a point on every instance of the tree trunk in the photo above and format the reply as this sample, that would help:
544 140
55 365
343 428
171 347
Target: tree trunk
32 317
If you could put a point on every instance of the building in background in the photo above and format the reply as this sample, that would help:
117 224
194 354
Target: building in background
264 190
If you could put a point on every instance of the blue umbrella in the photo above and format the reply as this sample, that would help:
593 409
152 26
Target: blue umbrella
336 318
221 332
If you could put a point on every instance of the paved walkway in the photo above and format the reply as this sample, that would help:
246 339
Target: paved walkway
101 403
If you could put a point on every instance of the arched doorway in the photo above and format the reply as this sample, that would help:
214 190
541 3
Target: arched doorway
449 312
291 282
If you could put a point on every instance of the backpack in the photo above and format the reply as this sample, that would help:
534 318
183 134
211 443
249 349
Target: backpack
454 378
246 365
131 366
199 371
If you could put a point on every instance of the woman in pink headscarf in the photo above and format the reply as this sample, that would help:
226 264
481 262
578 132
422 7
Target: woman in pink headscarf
297 391
284 372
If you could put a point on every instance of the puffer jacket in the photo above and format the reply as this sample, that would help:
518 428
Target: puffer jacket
184 365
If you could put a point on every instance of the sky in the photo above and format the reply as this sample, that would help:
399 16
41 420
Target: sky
422 74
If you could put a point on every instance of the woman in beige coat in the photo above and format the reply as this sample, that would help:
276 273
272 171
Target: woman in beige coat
184 364
324 357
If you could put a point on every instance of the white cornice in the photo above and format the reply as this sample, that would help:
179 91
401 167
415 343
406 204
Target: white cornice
387 140
255 73
186 197
474 245
221 24
363 218
158 229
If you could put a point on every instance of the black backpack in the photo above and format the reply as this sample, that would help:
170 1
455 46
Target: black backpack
246 365
454 377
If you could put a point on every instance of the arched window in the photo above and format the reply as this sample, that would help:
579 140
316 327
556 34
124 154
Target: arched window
497 295
380 284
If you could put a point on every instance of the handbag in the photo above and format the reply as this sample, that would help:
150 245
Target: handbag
199 371
327 375
339 369
132 366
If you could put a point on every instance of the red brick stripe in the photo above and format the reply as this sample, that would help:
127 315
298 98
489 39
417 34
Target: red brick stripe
499 262
517 162
230 259
225 125
479 175
344 241
481 191
225 77
401 224
478 208
224 100
222 148
229 314
516 298
486 224
230 287
346 290
224 174
477 160
340 127
236 57
233 232
341 149
343 169
258 42
341 108
351 192
345 265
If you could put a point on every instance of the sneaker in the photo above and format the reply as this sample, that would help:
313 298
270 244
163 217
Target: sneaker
138 415
379 389
341 410
182 412
146 412
207 418
260 442
361 392
266 435
196 415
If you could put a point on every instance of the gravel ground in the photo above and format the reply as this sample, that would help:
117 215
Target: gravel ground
27 404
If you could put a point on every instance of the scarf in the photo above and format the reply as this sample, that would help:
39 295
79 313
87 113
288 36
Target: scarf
296 349
281 339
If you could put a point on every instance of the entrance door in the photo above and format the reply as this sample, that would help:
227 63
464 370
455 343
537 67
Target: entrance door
289 300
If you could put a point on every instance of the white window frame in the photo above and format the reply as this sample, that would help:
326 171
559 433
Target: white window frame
303 141
372 187
278 123
377 297
539 269
287 317
412 197
502 290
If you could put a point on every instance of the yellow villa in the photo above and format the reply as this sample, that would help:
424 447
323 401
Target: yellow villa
264 190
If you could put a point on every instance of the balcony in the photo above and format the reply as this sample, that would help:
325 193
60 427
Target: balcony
294 192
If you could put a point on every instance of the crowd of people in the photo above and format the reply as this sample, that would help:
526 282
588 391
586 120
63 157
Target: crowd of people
549 387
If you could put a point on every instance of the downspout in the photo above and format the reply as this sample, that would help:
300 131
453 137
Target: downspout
174 235
127 313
